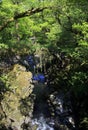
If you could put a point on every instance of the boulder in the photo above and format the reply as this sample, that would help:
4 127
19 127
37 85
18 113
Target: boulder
17 101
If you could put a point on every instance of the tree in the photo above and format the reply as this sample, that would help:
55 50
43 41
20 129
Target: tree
59 25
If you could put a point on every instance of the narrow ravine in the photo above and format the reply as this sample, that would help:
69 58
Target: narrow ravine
41 113
52 110
51 114
39 106
40 103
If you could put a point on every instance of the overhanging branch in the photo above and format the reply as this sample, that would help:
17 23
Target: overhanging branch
22 15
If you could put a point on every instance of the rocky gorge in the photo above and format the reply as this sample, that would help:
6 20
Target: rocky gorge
29 99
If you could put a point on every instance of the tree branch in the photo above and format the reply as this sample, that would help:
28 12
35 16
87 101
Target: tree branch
22 15
6 23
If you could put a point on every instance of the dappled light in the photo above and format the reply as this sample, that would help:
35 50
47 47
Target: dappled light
43 65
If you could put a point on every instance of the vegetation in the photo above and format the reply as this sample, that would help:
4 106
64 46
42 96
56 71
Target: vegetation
61 26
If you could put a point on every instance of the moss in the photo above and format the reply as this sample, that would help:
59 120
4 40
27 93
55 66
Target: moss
84 124
20 88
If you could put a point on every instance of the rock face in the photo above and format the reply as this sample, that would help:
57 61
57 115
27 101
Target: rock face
61 110
18 101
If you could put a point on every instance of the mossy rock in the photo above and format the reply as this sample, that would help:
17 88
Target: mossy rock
20 88
19 81
84 124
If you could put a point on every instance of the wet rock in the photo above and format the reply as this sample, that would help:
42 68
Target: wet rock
61 110
56 104
13 103
84 124
58 126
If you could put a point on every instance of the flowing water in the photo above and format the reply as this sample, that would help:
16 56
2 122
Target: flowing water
42 116
43 123
49 112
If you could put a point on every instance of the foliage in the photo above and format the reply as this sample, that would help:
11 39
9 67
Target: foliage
3 46
79 82
61 27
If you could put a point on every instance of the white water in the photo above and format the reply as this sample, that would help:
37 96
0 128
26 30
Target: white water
43 124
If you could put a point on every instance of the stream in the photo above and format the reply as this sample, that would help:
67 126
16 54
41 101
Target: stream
52 110
43 123
41 113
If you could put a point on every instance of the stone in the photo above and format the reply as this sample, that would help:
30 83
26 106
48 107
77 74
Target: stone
13 103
